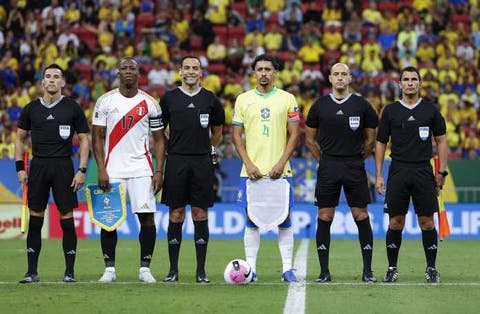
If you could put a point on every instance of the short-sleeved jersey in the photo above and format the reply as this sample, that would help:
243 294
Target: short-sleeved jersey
264 118
189 117
341 124
410 129
52 126
128 121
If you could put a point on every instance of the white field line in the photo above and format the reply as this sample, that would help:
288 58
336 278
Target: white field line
266 284
295 302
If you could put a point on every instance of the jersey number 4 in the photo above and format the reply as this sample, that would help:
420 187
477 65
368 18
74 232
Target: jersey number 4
266 130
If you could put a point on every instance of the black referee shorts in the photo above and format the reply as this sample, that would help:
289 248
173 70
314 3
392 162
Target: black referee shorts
417 183
332 174
188 180
54 173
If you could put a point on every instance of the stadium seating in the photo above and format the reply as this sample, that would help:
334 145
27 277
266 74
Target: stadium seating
85 70
86 35
144 20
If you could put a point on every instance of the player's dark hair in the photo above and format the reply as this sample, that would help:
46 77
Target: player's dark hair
410 69
53 66
190 57
265 58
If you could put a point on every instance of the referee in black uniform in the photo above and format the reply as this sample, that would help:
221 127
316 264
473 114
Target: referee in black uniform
52 121
340 134
410 124
192 114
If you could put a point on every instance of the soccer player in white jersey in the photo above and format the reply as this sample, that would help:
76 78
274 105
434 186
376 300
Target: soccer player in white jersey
266 114
121 122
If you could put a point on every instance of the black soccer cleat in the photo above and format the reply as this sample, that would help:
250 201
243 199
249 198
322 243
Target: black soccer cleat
203 279
30 278
391 275
324 277
171 277
432 275
69 278
368 277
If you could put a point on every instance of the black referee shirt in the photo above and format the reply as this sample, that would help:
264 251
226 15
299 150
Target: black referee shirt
52 126
411 130
189 117
341 124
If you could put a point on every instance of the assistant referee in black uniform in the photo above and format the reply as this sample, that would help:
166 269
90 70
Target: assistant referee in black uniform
410 124
52 121
192 113
340 134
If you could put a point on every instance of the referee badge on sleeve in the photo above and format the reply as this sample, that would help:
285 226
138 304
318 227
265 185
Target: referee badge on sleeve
64 131
204 119
354 123
423 132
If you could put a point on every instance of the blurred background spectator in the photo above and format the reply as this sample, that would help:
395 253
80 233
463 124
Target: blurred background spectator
375 38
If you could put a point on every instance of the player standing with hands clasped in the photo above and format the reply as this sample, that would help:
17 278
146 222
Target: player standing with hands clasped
410 124
121 122
52 121
340 134
192 113
266 114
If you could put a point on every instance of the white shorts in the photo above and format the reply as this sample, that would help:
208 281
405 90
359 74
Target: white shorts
140 192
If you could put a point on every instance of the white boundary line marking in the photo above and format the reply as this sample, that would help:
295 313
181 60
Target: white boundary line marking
295 302
266 284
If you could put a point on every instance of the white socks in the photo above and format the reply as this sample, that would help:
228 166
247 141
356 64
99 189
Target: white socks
285 244
251 240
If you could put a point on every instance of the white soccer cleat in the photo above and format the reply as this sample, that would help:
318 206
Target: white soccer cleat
146 276
108 275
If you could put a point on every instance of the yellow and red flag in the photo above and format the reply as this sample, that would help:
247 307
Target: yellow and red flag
443 226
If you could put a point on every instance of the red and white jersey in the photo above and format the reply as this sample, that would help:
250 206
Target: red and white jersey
128 121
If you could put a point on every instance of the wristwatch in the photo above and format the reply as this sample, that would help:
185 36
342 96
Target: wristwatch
444 173
82 170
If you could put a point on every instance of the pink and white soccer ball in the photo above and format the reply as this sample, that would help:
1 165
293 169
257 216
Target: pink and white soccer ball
238 272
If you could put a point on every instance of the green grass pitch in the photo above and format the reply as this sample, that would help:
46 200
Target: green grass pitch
458 263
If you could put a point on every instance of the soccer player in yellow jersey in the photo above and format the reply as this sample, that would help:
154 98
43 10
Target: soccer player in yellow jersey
269 118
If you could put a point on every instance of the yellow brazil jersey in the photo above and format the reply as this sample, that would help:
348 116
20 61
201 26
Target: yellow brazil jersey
264 118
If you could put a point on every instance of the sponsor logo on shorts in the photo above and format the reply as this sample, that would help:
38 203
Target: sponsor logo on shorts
145 206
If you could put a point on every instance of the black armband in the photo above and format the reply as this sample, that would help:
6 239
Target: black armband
443 173
19 165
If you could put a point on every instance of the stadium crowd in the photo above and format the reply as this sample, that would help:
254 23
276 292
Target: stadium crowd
375 38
